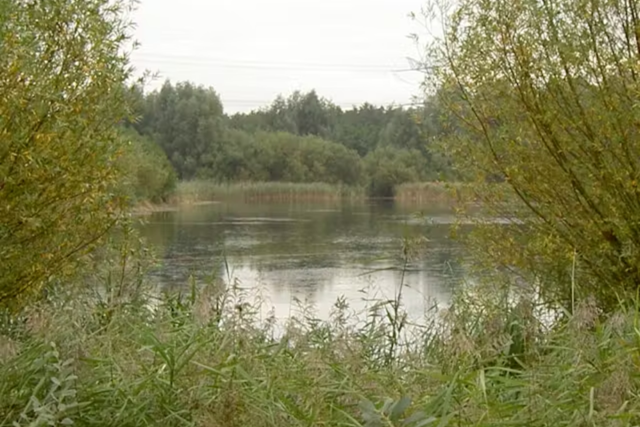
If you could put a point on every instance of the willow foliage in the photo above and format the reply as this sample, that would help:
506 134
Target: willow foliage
545 96
62 74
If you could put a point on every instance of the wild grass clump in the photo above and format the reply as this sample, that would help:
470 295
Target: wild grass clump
203 359
430 192
206 191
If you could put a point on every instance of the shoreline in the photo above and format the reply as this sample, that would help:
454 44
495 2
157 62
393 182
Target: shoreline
148 208
202 193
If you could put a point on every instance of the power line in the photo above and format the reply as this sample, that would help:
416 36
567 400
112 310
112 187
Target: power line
251 102
204 61
263 65
254 62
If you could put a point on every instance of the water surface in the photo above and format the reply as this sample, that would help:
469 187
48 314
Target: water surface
313 252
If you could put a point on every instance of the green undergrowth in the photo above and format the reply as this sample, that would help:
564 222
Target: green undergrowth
202 359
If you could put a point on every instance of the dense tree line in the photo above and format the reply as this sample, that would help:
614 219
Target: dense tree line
302 138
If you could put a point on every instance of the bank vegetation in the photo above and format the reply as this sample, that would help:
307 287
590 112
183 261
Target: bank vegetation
538 97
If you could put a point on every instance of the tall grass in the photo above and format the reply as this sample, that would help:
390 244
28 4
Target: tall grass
203 359
409 193
206 191
431 192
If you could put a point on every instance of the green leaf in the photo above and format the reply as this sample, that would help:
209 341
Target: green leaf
366 406
370 415
399 407
386 407
415 417
426 422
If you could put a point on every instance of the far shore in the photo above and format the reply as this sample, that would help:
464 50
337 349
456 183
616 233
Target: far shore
198 193
148 208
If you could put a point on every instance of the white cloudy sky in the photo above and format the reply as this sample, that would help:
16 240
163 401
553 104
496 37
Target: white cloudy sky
252 50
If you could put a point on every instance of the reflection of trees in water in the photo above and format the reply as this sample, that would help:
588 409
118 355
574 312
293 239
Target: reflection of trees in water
184 250
306 252
300 282
158 230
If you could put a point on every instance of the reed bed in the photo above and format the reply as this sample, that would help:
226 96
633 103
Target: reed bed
205 359
206 191
432 192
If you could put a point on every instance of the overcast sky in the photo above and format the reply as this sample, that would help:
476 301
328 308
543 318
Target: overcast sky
250 51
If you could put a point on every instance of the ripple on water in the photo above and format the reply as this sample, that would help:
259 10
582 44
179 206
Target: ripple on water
338 254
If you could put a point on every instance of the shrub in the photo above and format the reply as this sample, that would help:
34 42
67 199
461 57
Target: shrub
61 93
543 96
146 171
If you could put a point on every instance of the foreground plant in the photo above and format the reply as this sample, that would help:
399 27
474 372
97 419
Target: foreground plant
542 96
197 360
62 93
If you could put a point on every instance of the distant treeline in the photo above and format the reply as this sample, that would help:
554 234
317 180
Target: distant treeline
303 138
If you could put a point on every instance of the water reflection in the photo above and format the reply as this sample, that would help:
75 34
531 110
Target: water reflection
313 252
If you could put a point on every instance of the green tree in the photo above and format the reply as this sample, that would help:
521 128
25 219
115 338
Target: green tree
251 122
263 145
360 128
187 121
62 90
147 174
301 114
292 158
388 167
548 94
280 118
241 158
402 131
312 115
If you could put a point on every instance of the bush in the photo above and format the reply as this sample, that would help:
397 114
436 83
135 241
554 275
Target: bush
544 97
389 167
284 157
147 174
61 93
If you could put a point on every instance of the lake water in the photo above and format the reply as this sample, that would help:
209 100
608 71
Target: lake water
313 252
